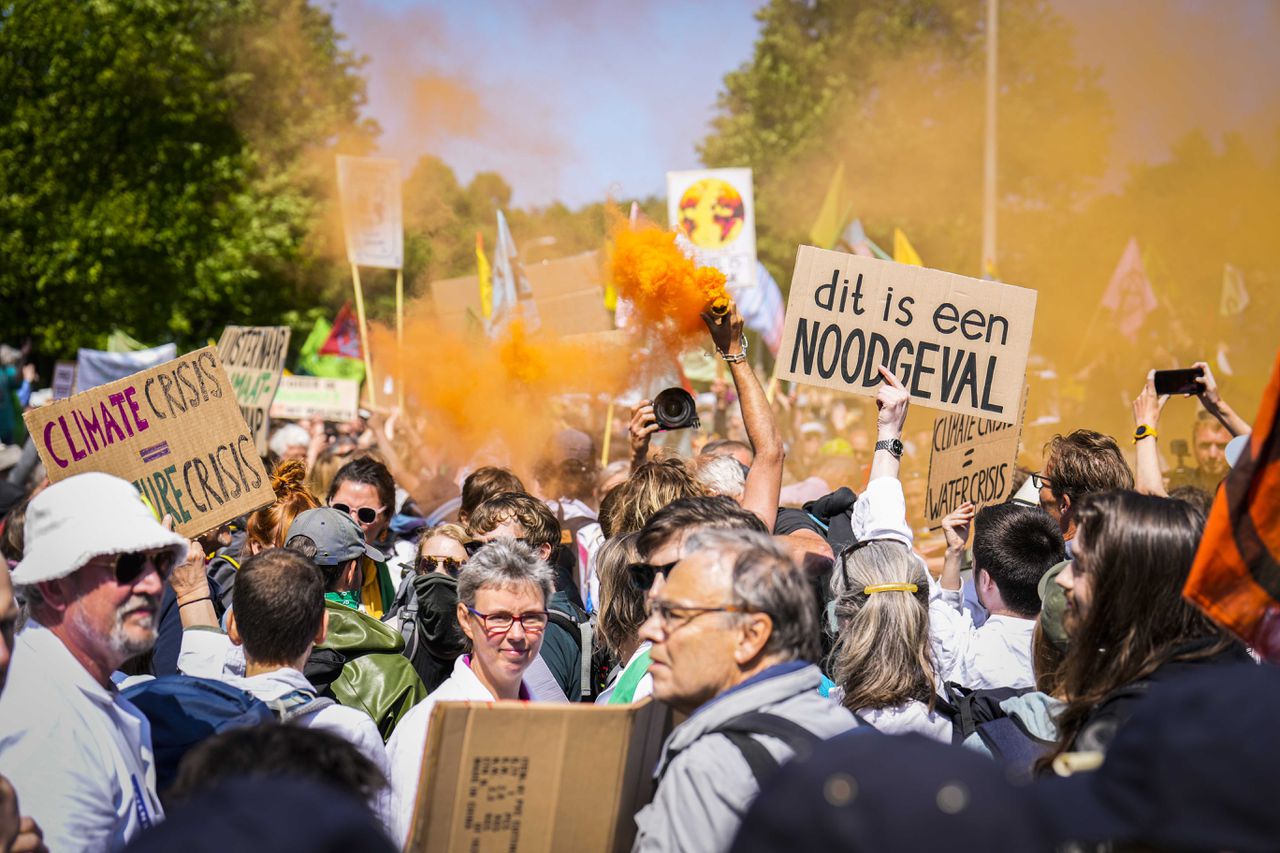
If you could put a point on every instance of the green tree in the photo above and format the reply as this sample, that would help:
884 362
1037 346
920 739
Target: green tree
163 165
893 89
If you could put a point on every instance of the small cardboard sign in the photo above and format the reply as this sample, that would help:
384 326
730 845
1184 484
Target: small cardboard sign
301 397
371 211
535 778
568 294
958 344
971 459
174 430
714 216
64 379
254 357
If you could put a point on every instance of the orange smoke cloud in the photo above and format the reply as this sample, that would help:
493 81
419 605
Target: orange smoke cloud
669 292
476 400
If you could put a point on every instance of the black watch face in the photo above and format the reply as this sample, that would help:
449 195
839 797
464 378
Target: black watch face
896 447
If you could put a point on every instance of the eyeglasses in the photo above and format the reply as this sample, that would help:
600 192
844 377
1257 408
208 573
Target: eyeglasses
672 616
130 566
497 624
366 514
1040 481
476 544
451 565
643 574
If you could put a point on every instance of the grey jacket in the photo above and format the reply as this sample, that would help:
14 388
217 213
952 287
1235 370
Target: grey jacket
708 786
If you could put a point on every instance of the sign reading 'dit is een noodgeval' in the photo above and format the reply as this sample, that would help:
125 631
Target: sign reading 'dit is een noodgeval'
958 344
175 431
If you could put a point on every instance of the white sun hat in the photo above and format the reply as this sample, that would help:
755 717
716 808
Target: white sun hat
82 517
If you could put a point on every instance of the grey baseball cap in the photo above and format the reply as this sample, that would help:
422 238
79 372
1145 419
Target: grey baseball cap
338 538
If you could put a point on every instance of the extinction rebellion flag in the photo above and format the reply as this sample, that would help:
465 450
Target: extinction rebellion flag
344 338
1236 575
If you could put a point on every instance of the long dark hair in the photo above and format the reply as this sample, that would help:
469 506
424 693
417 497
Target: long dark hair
1138 549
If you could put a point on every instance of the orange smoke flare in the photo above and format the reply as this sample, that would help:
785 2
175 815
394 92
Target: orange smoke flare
668 290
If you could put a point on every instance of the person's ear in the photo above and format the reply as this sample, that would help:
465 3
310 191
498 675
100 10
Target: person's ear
57 594
1065 503
754 634
464 623
324 627
233 630
544 551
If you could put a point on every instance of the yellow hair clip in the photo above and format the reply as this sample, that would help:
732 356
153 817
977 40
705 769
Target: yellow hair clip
889 587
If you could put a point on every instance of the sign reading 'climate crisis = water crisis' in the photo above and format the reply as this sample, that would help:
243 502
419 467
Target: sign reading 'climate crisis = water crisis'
175 431
958 344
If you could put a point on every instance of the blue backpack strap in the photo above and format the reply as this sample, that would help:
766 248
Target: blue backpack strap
298 704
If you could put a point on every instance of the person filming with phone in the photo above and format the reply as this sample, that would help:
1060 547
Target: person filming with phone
1216 425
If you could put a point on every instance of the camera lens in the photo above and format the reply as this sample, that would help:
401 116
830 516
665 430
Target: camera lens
674 408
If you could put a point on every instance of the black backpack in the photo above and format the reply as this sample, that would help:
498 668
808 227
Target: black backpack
577 624
981 712
741 731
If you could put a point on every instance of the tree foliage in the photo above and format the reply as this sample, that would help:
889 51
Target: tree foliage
160 164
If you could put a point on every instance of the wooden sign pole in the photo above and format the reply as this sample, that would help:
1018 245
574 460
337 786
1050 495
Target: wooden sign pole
370 379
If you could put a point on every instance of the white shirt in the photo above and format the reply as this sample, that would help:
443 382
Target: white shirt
590 538
409 740
78 754
997 654
644 687
208 654
911 716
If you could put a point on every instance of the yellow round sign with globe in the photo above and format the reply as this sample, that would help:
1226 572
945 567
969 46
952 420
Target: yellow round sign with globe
711 213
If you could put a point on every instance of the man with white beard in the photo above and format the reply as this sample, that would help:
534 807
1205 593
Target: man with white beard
93 571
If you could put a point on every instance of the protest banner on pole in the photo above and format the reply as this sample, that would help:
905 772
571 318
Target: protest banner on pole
175 431
535 778
958 344
316 397
713 214
971 459
98 367
254 358
373 220
64 379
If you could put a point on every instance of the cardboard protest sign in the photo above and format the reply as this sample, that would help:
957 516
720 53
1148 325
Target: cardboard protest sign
174 430
714 215
568 294
971 459
958 344
535 778
64 379
254 357
371 211
316 397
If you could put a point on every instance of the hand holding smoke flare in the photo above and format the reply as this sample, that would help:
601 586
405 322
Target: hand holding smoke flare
669 292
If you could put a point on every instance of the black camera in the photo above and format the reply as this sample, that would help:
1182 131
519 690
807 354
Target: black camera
674 408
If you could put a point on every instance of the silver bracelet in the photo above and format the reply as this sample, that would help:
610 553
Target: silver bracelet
739 357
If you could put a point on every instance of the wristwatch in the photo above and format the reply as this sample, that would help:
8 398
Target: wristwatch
892 445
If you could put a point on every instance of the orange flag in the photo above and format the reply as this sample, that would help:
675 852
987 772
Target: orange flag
1236 575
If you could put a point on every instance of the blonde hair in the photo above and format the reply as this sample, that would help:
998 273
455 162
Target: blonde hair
326 466
650 487
448 530
621 604
881 658
268 526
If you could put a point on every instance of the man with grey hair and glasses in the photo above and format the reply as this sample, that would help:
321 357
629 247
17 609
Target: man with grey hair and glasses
79 754
735 636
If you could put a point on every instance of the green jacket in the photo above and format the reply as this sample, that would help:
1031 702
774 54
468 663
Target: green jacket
361 663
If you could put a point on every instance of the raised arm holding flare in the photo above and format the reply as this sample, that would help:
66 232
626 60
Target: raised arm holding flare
764 480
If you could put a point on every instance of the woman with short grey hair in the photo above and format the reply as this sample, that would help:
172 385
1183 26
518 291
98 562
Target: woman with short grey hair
502 610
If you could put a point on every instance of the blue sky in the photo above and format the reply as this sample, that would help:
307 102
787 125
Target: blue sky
573 100
567 100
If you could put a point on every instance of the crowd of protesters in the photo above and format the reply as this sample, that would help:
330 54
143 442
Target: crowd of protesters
1037 682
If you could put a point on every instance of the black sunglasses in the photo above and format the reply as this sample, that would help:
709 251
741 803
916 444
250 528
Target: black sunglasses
366 514
131 566
643 574
451 565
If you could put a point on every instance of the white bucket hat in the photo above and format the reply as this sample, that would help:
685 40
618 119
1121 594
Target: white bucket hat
82 517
